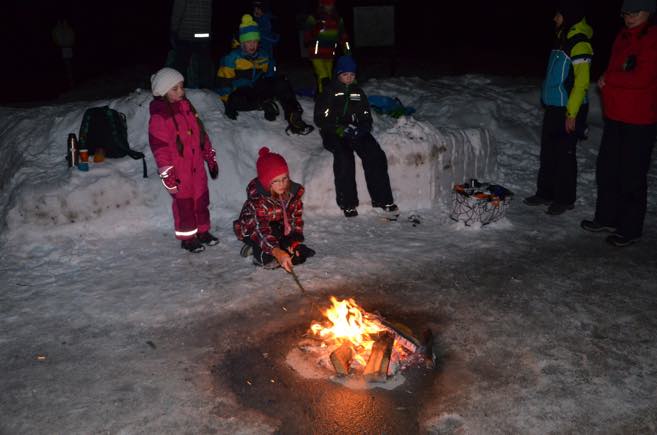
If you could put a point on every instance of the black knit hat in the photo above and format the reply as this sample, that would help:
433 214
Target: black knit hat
572 10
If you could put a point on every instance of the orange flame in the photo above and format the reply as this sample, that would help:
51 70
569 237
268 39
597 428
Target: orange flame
348 322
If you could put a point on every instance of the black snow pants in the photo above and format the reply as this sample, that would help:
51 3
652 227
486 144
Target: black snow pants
278 88
557 175
621 175
375 166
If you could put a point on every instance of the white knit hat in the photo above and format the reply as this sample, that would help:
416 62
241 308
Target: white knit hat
165 79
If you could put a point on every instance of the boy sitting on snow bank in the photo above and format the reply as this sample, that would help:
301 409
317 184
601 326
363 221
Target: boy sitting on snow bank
246 82
344 117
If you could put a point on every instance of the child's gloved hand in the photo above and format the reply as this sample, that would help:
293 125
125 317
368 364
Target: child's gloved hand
213 169
300 252
339 130
210 157
354 131
169 179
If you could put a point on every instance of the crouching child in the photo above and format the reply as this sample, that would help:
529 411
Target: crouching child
271 221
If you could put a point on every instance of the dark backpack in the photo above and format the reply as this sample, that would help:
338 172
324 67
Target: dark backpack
106 128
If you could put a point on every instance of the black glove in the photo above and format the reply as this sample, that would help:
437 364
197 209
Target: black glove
355 132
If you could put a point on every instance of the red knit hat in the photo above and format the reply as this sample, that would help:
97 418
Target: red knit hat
269 166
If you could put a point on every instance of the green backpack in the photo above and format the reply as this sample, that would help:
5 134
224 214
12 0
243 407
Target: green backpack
106 128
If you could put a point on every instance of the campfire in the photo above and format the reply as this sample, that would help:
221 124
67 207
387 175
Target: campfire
360 343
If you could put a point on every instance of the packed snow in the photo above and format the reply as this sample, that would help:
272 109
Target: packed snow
546 329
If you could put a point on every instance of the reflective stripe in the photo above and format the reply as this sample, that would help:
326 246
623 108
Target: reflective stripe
348 47
339 94
581 60
164 173
187 233
316 46
326 113
169 188
201 35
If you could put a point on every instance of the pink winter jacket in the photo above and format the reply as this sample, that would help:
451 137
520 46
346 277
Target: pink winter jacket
189 169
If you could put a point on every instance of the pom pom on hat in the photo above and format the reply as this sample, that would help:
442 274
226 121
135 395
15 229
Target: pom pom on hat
165 79
345 64
269 166
249 29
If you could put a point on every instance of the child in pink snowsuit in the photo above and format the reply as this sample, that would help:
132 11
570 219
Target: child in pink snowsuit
180 146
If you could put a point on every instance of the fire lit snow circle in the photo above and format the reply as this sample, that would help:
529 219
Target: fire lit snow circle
360 349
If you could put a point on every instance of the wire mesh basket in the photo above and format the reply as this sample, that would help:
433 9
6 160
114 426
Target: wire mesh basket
481 203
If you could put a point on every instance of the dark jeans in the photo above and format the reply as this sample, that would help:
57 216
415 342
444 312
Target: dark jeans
621 172
557 175
249 98
375 166
183 53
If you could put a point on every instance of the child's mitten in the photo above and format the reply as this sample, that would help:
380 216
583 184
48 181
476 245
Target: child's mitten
210 157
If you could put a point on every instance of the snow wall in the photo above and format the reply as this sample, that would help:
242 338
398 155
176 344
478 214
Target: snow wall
38 192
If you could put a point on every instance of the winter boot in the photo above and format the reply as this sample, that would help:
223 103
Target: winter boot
298 125
246 250
389 211
350 212
207 239
271 110
620 241
535 200
556 208
596 227
192 245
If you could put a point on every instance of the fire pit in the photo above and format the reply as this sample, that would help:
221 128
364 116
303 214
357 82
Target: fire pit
360 349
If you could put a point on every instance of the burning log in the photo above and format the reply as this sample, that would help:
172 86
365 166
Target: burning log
376 369
341 359
405 336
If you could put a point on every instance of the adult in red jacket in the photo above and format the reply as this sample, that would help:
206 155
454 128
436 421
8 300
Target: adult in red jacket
180 146
629 98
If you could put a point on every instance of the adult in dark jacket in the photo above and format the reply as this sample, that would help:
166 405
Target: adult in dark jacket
191 32
344 118
629 99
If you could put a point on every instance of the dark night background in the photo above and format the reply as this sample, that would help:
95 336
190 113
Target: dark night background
509 37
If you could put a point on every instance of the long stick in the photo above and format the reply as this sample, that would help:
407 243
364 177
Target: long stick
296 279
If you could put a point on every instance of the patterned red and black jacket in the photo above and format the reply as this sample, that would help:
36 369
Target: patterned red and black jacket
261 210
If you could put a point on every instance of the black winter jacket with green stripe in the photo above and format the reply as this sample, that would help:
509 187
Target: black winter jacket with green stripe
340 105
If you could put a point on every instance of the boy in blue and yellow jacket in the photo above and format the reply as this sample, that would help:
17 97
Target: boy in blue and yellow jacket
564 96
247 82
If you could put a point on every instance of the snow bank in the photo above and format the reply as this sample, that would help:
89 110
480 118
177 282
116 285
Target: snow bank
40 193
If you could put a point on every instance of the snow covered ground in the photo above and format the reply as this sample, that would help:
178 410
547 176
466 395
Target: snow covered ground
106 325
